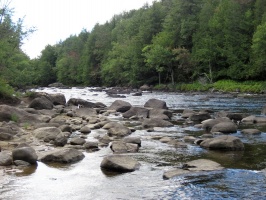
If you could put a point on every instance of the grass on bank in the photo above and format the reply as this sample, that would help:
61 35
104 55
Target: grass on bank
222 86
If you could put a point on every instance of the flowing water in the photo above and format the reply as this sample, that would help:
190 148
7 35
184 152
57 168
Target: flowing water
242 177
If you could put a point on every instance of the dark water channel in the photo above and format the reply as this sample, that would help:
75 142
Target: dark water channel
242 177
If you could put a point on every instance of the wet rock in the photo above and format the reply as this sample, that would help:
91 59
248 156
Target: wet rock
189 139
5 136
133 140
165 139
224 127
5 159
199 117
260 120
46 133
85 112
91 145
122 147
79 103
105 140
155 122
27 154
121 131
136 111
66 128
160 114
77 141
192 167
251 131
120 106
177 144
249 119
85 130
62 156
120 163
111 125
224 142
21 163
41 102
155 103
187 113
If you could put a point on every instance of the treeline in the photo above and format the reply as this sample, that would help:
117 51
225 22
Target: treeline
169 41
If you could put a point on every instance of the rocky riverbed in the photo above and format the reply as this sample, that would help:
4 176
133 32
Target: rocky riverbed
56 129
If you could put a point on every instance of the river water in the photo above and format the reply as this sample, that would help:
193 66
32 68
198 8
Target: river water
242 177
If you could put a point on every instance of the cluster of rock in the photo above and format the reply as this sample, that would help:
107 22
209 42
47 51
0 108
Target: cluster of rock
50 129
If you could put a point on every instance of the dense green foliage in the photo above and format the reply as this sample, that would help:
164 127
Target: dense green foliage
170 41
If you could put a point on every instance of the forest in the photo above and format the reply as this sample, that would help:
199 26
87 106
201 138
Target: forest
168 42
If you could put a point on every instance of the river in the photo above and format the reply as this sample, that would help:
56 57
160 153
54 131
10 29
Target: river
242 177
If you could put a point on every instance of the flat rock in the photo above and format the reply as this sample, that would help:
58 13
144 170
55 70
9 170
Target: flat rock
62 156
120 163
192 167
155 122
251 131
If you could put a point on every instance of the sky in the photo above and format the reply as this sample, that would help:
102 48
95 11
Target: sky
56 20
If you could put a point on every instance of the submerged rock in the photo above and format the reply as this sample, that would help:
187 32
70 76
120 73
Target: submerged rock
192 167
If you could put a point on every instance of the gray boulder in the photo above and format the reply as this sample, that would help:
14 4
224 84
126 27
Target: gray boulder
27 154
77 141
120 163
60 140
91 145
62 156
155 103
199 117
85 112
5 136
136 111
122 147
120 106
5 159
160 114
85 130
224 142
133 140
224 127
119 131
41 102
80 103
209 123
155 122
58 99
47 133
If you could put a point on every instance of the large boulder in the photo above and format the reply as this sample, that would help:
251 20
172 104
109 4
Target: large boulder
27 154
77 141
120 163
133 140
80 103
192 167
224 127
10 113
58 99
155 103
155 122
119 131
160 114
41 102
224 142
62 156
5 159
47 133
120 106
137 112
209 123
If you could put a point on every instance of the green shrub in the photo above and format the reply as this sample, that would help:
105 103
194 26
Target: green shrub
6 91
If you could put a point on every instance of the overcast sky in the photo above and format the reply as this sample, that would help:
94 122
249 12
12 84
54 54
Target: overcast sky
56 20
